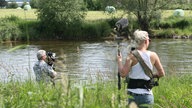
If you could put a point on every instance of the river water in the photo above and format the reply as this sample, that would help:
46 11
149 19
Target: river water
89 60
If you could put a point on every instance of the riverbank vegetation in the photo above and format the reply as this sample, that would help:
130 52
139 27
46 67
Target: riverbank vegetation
67 16
174 91
15 26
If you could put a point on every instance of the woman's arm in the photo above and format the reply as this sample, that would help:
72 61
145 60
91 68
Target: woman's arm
124 69
158 66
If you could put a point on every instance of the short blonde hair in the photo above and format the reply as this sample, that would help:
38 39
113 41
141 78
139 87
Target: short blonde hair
40 54
140 36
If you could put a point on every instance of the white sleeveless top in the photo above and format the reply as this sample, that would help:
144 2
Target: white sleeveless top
137 72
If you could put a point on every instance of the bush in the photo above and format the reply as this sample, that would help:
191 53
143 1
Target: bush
12 18
79 31
164 33
64 15
175 22
165 24
3 3
182 24
29 28
95 30
13 5
9 29
34 3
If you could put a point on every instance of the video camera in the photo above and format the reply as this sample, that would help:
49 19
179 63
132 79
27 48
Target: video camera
51 58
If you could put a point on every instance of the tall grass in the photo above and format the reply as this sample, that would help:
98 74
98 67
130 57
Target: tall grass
9 29
173 92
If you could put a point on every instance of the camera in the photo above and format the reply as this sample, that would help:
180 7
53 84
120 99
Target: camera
152 83
132 48
51 58
51 55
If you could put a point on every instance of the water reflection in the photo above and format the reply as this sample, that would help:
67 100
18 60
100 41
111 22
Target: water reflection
89 59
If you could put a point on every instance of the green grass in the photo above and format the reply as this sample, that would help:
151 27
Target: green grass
98 15
168 13
31 14
173 92
91 15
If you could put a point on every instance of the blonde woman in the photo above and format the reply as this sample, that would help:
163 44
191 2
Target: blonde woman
132 68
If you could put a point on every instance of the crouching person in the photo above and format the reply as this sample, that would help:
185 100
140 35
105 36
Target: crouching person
43 72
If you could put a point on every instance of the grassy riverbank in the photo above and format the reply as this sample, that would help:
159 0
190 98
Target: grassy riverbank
173 92
97 25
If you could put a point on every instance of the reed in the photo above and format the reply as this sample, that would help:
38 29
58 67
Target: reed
174 91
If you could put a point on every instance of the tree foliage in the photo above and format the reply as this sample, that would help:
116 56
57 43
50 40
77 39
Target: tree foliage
3 3
93 4
12 5
116 3
56 15
24 3
34 3
145 10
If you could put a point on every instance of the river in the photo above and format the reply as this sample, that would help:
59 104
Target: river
89 60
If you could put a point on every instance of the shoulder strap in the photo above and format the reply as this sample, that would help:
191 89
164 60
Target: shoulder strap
146 69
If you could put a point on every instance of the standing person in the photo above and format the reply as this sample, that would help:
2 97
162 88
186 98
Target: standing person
43 71
135 72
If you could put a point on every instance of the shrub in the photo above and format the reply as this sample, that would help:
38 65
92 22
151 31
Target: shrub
29 28
65 13
12 18
95 30
182 23
9 30
164 33
175 22
13 5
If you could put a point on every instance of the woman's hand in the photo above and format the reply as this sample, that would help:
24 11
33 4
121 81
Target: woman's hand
119 57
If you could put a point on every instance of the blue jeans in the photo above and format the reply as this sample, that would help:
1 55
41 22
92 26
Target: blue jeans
142 101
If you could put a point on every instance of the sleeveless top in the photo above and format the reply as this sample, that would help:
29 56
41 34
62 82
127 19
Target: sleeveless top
137 72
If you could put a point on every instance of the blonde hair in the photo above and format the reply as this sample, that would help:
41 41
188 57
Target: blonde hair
40 54
140 36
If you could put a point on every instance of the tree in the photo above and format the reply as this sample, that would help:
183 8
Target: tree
57 15
24 3
34 3
13 5
3 3
92 4
145 10
115 3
